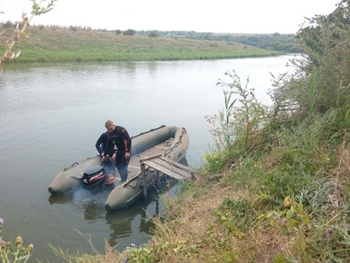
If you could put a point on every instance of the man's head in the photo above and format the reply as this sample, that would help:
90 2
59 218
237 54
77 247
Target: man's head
109 125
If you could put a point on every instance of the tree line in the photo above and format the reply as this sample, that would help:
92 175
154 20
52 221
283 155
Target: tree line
276 41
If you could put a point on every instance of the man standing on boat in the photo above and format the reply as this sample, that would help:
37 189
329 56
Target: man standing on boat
118 138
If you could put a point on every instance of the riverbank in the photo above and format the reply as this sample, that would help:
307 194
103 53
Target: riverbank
51 44
276 188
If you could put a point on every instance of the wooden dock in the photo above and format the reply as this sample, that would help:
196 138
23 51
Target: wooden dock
166 166
169 167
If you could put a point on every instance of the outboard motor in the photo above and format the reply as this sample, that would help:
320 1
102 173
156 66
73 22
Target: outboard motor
94 177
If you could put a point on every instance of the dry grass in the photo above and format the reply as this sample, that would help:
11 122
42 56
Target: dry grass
343 169
107 257
195 234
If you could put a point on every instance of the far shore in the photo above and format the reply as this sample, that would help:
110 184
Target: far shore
46 44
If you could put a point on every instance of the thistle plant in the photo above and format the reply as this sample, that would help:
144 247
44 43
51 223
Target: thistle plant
20 30
235 129
14 252
241 116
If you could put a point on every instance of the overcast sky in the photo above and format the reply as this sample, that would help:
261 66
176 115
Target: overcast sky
221 16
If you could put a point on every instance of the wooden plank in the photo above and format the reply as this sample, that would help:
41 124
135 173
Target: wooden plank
176 164
172 167
168 169
145 158
164 170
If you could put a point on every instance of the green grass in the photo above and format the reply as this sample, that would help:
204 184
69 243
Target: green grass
64 44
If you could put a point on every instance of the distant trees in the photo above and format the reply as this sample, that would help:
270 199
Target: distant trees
8 24
129 32
153 33
276 41
73 28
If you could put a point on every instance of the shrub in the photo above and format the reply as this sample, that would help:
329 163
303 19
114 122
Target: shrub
129 32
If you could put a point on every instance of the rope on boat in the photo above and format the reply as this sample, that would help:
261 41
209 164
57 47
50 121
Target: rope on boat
72 165
162 126
168 151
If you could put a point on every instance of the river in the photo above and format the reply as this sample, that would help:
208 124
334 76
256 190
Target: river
52 114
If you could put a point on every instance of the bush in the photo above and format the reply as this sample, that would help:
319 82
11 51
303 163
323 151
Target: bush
129 32
153 33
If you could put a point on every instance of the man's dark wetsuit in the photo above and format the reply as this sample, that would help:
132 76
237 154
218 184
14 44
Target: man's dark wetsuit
120 139
101 143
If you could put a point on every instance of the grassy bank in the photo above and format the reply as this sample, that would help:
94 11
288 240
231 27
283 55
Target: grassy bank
64 44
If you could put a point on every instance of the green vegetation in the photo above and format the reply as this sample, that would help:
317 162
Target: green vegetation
276 41
78 44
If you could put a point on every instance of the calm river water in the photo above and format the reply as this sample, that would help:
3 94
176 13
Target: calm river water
51 116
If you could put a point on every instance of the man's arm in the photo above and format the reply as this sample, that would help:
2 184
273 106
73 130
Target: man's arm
109 146
126 141
98 144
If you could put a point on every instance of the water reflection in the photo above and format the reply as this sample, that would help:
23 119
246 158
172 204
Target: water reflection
138 217
93 211
81 196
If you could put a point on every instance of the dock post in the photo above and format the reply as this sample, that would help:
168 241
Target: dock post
158 178
144 184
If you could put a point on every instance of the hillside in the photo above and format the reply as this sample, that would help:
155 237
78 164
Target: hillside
277 42
77 44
